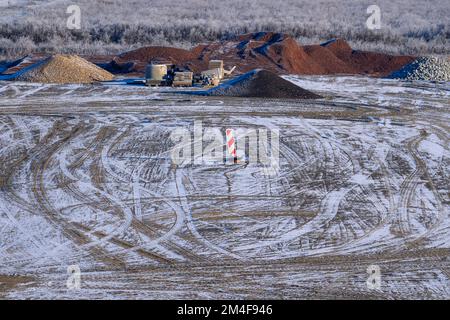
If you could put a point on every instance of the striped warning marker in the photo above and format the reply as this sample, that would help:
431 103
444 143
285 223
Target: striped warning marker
231 143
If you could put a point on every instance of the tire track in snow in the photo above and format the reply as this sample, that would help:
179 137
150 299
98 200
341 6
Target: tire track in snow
190 223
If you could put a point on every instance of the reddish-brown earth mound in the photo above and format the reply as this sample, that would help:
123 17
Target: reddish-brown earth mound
180 57
150 53
366 62
282 54
275 52
327 62
272 51
278 53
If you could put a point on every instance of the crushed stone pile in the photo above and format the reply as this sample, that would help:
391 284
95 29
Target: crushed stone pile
261 83
61 68
424 68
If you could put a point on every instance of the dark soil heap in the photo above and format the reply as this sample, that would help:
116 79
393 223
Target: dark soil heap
5 65
116 67
261 83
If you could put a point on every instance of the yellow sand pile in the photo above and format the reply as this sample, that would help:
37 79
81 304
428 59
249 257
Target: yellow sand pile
61 68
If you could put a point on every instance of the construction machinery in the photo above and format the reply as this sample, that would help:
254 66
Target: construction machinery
182 79
217 66
159 73
229 72
213 73
155 74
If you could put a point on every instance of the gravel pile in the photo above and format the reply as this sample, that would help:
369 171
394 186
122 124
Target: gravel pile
424 68
261 83
63 69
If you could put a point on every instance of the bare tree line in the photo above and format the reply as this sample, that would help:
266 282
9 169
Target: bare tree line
111 26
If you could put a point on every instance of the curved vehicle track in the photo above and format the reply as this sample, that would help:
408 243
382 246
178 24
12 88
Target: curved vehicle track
361 181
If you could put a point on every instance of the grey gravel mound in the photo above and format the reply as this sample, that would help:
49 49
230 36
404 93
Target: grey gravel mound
261 83
424 68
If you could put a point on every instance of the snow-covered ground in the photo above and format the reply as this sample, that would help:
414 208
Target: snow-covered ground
87 178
